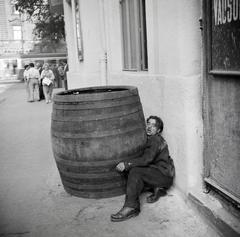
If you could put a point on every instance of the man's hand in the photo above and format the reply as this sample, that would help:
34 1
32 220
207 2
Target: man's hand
120 167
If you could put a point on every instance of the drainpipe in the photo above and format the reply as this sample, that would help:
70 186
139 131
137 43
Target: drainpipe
103 55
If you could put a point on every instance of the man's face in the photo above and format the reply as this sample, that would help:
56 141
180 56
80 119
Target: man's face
46 67
151 128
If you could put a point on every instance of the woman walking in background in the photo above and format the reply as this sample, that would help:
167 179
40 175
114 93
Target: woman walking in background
47 78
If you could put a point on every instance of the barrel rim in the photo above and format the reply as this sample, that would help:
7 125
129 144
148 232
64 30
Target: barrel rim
109 94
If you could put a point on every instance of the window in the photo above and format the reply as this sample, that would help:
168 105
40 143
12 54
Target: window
14 9
76 21
134 35
17 32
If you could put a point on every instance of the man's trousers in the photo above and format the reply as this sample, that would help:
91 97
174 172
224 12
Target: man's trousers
140 177
33 87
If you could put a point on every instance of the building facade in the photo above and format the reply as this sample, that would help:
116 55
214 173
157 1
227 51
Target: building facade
172 51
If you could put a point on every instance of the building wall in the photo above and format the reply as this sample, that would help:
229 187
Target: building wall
9 19
87 72
172 86
3 29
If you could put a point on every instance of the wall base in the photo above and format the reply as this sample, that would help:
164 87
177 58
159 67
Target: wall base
222 221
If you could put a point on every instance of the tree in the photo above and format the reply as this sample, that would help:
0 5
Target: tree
49 27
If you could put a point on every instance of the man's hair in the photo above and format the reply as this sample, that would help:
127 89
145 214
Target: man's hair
159 122
31 64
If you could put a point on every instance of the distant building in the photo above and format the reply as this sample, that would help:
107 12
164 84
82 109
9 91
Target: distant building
15 38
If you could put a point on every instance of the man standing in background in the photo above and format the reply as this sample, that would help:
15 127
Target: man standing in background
39 68
33 78
65 75
26 67
54 69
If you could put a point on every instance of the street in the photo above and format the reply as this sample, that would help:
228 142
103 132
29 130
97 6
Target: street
33 202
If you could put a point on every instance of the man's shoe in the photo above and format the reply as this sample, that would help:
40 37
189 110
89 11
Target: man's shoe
124 214
158 192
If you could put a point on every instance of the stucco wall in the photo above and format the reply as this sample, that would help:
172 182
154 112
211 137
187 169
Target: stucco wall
171 88
86 72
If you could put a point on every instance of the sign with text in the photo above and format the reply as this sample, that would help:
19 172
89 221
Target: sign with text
226 35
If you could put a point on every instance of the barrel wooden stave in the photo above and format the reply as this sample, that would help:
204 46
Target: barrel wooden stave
91 135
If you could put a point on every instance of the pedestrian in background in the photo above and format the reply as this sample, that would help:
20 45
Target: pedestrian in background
39 68
33 78
54 69
61 75
26 67
65 70
47 87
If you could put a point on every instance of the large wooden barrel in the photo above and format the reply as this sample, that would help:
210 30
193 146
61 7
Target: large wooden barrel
92 130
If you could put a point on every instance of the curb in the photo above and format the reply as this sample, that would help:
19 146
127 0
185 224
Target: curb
10 80
210 209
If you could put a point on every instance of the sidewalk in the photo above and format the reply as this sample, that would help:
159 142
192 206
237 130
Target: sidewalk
10 79
33 202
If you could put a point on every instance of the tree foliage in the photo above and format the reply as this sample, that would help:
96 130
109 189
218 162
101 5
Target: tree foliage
49 27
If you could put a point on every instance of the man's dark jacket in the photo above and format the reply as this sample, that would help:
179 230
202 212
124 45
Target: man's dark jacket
156 155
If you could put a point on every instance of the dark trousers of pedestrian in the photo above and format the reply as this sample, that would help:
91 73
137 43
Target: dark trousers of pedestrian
60 81
140 177
65 84
41 94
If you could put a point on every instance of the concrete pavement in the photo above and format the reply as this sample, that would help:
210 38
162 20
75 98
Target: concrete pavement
33 202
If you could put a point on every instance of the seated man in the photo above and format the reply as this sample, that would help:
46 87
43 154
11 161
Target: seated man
154 169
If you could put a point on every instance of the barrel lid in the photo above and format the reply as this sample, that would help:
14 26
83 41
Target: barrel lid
96 93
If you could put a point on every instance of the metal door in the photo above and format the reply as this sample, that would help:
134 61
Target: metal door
221 73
